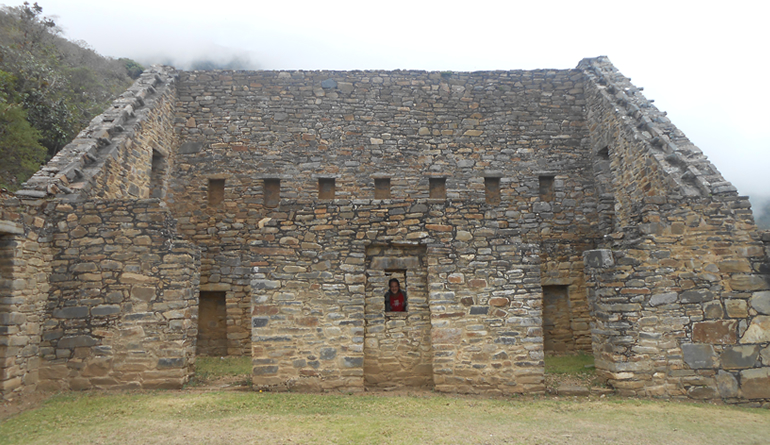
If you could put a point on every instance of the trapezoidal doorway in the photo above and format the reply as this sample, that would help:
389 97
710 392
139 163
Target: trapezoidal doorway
397 347
557 320
212 324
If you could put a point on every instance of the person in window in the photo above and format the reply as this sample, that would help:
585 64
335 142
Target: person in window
395 298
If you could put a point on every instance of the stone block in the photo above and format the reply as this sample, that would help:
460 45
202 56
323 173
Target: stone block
479 310
727 384
696 296
12 318
713 310
142 293
396 263
328 353
446 336
748 283
699 356
135 278
734 266
758 331
77 342
71 312
190 147
264 370
105 310
755 383
499 301
661 299
715 332
598 259
739 357
97 368
760 302
736 308
171 362
702 392
353 362
259 322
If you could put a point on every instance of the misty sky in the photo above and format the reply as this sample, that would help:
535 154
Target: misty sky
702 62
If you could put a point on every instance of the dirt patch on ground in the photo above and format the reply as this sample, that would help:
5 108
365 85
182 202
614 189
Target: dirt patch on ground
20 403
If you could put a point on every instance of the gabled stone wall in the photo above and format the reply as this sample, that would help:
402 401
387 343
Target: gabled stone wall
678 297
113 157
100 294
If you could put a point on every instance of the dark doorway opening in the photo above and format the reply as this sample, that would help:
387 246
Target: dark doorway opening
212 324
557 320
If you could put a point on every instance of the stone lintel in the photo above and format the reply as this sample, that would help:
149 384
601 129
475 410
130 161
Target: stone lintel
9 227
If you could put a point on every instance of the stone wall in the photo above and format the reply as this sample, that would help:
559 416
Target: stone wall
318 308
298 194
70 316
249 129
677 298
24 269
122 308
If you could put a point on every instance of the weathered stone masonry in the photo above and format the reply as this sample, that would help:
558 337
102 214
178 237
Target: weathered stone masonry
295 196
97 291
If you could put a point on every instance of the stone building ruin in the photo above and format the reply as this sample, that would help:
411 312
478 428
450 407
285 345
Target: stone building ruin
262 213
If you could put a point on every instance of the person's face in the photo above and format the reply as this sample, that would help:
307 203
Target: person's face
394 287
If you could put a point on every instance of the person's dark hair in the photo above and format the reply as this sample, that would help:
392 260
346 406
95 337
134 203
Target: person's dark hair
392 280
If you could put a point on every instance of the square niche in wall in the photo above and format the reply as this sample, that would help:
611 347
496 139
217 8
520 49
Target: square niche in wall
326 188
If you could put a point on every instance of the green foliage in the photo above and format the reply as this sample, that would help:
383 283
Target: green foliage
60 85
133 68
20 150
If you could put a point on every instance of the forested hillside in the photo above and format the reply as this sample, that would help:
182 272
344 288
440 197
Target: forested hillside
50 88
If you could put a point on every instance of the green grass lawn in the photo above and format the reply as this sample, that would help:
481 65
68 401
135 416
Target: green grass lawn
573 364
178 417
202 416
211 368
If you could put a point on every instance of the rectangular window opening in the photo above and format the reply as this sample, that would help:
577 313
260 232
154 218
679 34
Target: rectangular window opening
437 188
326 188
157 174
272 192
381 188
546 188
396 302
216 192
492 190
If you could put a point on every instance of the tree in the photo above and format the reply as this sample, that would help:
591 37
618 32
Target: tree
54 85
20 150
